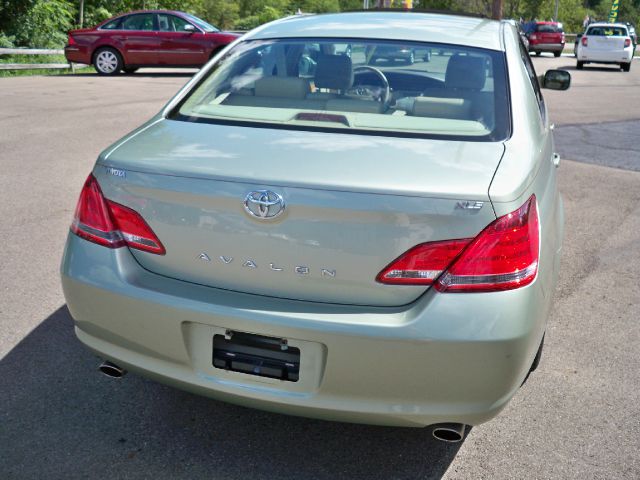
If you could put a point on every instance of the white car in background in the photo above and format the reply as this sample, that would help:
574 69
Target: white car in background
606 43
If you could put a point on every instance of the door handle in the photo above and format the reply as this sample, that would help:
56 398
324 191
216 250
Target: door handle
556 160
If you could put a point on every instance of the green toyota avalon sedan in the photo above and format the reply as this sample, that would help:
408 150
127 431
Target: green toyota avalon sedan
313 229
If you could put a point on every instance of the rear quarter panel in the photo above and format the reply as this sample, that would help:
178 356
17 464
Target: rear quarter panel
527 168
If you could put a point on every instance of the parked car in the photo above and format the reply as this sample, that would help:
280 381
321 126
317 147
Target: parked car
371 244
547 37
149 38
392 53
608 43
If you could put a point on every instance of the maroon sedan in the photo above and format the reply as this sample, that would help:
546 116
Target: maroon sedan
149 38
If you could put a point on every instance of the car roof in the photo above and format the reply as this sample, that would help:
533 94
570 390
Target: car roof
605 24
411 26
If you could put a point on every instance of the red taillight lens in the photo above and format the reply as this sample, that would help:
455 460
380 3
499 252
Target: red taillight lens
627 42
584 41
503 256
422 264
533 36
110 224
70 40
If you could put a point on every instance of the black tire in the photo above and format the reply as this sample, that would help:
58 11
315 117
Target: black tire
412 58
579 65
538 54
107 61
556 54
130 70
626 67
536 361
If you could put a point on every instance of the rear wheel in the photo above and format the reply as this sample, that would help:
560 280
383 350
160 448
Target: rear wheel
556 54
626 67
579 65
107 61
129 70
538 54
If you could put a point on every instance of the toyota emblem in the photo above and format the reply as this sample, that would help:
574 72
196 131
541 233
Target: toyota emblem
264 204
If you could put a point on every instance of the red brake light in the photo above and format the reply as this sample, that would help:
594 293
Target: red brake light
584 41
110 224
627 42
422 264
533 36
503 256
71 40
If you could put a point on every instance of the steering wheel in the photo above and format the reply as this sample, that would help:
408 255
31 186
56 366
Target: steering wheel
385 97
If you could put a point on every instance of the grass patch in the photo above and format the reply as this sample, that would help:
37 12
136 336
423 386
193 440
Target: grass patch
38 71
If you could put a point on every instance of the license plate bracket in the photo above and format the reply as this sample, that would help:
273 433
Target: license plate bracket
256 355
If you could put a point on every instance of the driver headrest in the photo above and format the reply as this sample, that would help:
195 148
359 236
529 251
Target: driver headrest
334 72
465 72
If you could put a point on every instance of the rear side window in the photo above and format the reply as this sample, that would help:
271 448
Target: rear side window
548 28
607 32
138 22
112 25
407 89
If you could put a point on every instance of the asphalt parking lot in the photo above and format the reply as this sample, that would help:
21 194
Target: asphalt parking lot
577 417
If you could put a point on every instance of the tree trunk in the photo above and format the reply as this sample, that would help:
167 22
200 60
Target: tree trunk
496 9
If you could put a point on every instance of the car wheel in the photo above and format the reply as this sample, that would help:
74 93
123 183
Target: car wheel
129 70
556 54
626 67
412 58
536 361
538 54
107 61
579 65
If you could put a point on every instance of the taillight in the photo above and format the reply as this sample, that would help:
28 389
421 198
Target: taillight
70 40
110 224
503 256
562 38
533 36
584 41
627 42
422 264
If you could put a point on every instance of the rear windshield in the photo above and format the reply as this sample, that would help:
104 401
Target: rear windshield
607 32
547 28
406 89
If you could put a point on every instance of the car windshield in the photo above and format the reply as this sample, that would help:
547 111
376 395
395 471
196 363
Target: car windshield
607 32
396 88
207 27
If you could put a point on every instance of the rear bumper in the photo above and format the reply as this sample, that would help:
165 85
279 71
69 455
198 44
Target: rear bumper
444 358
77 54
617 57
546 47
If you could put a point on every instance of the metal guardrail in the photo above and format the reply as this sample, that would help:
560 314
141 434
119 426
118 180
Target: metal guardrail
33 66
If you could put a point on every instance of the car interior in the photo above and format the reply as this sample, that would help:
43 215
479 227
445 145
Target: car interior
455 84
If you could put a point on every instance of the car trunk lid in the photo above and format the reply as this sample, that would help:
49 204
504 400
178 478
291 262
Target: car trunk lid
352 204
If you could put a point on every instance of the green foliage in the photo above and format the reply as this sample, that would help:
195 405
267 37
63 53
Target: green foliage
44 23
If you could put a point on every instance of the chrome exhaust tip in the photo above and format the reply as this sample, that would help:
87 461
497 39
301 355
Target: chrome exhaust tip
449 432
112 370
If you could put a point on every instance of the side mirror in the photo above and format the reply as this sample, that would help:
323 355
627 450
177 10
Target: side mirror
556 80
189 28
